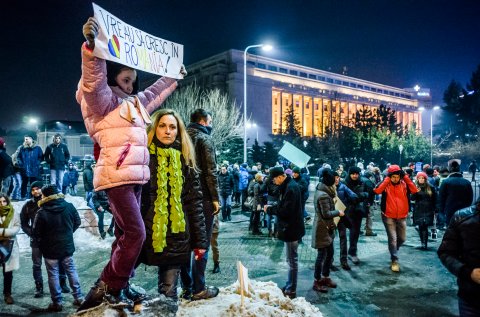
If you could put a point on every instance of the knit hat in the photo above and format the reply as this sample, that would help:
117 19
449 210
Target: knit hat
454 165
49 190
422 174
244 165
288 172
276 171
2 142
37 184
354 170
328 178
296 169
394 169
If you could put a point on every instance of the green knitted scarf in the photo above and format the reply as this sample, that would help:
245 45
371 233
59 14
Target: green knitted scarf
7 212
169 177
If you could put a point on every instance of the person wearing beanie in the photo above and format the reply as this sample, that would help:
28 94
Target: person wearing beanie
323 230
6 168
395 189
53 229
455 193
290 224
303 184
358 209
424 208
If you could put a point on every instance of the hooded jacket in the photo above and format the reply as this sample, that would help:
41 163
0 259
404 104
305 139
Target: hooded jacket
54 226
123 143
27 218
6 164
454 194
57 156
395 196
29 158
323 225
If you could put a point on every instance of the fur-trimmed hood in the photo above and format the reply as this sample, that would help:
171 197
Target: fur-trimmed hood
50 198
34 144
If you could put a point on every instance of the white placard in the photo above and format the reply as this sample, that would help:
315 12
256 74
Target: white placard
122 43
294 155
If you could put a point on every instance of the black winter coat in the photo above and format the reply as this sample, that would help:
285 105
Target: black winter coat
57 156
100 199
454 194
179 245
302 183
460 251
6 165
88 179
54 225
27 218
425 206
225 183
363 188
206 160
289 212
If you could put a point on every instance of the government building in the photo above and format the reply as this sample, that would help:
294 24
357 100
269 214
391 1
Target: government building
321 100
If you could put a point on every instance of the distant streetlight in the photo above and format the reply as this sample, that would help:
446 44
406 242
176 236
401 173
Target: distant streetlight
253 125
435 108
265 47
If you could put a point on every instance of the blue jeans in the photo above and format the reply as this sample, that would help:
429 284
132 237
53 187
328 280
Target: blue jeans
53 267
291 250
6 184
17 186
226 203
323 262
397 234
37 266
56 178
467 309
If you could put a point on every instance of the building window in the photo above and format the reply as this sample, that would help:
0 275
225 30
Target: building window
302 74
360 86
353 85
293 72
250 63
338 82
374 89
262 66
397 94
272 68
297 104
307 106
321 78
346 83
366 87
316 106
283 70
330 80
311 76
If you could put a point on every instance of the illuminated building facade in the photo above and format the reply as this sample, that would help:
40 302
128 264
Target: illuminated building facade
321 100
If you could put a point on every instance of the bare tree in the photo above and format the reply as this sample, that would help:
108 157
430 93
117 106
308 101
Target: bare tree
227 119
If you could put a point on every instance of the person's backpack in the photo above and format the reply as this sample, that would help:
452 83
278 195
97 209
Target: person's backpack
243 180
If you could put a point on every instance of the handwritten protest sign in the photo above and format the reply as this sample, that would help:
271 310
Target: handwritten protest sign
294 155
122 43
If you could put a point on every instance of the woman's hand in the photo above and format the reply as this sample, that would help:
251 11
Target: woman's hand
90 32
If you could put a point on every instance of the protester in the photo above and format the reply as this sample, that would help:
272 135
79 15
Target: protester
9 226
28 160
214 245
273 198
70 180
424 208
236 183
303 184
455 192
17 177
6 168
116 116
291 227
323 231
460 253
225 191
395 190
174 228
57 156
88 182
243 181
257 204
101 205
53 229
472 168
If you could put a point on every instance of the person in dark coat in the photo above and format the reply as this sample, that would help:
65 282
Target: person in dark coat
323 230
424 209
70 180
460 253
6 168
291 227
53 229
225 191
88 182
172 202
303 184
28 160
101 205
472 168
57 156
455 192
257 204
273 197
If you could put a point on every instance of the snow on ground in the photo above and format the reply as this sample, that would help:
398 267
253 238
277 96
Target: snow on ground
266 299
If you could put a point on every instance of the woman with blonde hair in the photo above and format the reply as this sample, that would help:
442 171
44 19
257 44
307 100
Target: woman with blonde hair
424 209
171 201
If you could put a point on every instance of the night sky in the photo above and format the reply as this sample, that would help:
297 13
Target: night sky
398 43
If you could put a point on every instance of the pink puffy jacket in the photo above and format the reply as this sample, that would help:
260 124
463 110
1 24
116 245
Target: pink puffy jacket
123 156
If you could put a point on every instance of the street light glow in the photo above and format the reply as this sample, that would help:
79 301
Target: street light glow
436 108
33 121
267 47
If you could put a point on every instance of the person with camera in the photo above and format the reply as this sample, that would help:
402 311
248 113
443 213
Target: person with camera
395 190
323 231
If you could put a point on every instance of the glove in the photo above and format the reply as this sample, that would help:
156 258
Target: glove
216 207
90 31
199 253
183 71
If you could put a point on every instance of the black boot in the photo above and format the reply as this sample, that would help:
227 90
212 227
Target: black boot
216 268
38 290
100 293
135 294
63 285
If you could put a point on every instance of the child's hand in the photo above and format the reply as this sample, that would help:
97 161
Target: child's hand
183 71
90 31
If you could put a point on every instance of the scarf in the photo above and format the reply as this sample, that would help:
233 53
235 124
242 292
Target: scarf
131 109
169 191
7 212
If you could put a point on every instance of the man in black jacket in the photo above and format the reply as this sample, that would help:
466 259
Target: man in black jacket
57 156
455 192
291 227
53 229
460 253
225 187
199 129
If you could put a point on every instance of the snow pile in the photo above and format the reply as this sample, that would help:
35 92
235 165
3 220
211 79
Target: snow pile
265 299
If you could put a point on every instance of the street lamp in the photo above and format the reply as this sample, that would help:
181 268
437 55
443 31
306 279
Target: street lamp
431 130
265 47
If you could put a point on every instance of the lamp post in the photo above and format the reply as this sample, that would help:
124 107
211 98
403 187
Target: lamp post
431 130
266 47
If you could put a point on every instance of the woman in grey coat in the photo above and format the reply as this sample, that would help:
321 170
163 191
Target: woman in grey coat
323 231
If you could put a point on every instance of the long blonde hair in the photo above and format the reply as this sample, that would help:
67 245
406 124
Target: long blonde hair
188 151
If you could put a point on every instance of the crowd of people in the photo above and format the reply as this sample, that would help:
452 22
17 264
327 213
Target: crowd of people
160 180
